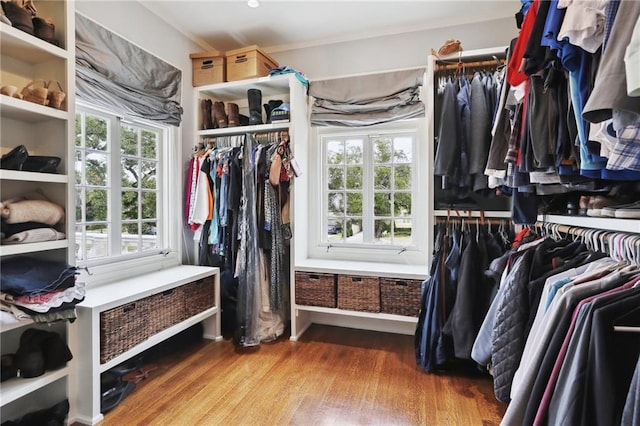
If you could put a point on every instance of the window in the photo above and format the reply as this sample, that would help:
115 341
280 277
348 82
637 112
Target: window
120 195
369 196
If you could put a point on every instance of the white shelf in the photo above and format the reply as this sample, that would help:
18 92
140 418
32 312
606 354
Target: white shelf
33 176
157 338
233 90
26 248
244 129
28 111
604 223
360 314
27 48
13 325
13 389
374 269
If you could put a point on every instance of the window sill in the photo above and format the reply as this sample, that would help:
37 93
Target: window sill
377 269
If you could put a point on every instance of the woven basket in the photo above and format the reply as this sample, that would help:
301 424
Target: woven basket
400 297
199 296
165 309
38 95
316 289
122 328
357 293
56 97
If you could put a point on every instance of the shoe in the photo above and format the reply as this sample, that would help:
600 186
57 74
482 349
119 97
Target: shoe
41 164
8 367
114 396
626 211
583 204
233 115
254 96
597 203
280 113
205 108
52 416
268 107
20 17
55 350
14 159
219 116
29 358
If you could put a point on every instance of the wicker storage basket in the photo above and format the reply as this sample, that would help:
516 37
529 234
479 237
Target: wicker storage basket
357 293
165 309
316 289
122 328
400 297
199 296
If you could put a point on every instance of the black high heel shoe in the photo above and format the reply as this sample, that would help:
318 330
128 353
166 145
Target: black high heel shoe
14 159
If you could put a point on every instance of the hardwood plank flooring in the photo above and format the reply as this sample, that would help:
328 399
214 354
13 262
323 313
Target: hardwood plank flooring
332 376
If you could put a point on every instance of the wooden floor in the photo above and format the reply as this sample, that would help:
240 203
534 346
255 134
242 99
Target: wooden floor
332 376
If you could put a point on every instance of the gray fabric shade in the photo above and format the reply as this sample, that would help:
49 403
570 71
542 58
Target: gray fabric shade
367 100
113 73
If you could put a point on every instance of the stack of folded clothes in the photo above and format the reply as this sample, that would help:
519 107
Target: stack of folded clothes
43 290
30 219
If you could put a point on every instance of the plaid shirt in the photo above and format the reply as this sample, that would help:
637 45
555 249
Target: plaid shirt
626 152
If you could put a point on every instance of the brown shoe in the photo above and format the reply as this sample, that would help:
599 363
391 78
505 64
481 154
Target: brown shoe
233 114
219 115
205 106
599 202
583 205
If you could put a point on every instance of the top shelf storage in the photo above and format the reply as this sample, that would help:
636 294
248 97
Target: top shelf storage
27 48
269 86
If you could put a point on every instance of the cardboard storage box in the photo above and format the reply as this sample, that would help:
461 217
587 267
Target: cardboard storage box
248 62
208 68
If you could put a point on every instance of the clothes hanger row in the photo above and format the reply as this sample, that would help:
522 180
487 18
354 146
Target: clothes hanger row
617 245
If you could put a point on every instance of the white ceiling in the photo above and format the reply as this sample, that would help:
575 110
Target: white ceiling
279 25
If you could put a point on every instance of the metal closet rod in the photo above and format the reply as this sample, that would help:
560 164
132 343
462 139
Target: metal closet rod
476 64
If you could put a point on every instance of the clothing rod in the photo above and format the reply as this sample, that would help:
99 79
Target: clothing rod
476 64
626 328
473 220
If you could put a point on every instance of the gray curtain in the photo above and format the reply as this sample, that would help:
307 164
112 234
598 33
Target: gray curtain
113 73
367 100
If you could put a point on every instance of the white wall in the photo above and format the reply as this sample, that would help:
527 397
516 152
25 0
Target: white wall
131 20
394 51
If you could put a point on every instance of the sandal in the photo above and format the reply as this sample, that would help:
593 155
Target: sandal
38 95
55 97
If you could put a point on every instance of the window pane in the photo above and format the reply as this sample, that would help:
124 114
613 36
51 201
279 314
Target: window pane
149 171
402 231
130 239
79 204
149 235
334 229
78 167
354 177
382 204
382 179
336 203
402 204
96 205
96 133
97 241
129 140
149 144
335 152
129 205
354 151
382 231
96 169
354 230
382 151
149 207
130 173
402 150
354 204
78 130
402 178
336 178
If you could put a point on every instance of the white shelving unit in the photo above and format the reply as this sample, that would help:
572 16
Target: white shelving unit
43 130
107 296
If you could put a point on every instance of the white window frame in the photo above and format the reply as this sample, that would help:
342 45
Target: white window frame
320 248
117 265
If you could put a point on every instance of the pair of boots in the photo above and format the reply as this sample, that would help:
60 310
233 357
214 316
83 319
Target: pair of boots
39 351
254 96
214 115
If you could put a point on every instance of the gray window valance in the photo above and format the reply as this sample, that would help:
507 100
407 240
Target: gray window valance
367 100
113 73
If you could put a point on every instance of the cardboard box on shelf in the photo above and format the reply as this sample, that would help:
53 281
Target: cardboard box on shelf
248 62
208 68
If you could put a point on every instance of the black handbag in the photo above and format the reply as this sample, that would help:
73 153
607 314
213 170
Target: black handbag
41 163
14 159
